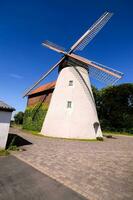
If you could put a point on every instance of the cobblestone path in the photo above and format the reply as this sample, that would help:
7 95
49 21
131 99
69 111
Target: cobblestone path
96 170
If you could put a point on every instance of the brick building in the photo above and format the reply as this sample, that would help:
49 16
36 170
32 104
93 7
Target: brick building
41 94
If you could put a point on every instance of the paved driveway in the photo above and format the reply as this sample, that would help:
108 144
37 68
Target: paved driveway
19 181
97 170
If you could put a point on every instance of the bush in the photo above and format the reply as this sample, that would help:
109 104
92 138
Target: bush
34 117
115 107
130 131
99 138
19 117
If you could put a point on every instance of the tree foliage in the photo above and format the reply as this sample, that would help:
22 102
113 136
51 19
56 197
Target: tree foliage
34 117
115 107
19 117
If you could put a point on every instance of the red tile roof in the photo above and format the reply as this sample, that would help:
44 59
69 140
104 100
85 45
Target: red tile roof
42 88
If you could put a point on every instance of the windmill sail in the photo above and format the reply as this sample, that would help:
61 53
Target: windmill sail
104 74
91 32
62 120
99 71
53 46
43 77
96 70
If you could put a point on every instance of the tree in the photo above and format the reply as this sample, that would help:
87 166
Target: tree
116 107
19 117
97 97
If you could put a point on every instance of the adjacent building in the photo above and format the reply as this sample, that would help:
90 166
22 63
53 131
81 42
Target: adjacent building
5 118
41 94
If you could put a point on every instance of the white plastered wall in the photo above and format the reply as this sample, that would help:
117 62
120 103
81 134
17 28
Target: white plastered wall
5 118
77 121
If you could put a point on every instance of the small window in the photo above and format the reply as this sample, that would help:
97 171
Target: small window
69 104
70 83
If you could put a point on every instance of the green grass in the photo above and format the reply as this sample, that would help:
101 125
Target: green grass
4 152
82 140
13 148
72 139
26 130
36 133
16 125
116 133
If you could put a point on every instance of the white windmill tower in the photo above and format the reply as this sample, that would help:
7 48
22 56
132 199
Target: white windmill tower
72 111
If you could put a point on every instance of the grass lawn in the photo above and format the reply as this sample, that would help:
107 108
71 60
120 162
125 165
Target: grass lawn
72 139
4 152
36 133
32 132
116 133
27 131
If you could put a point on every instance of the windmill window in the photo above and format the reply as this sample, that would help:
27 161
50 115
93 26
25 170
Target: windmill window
70 83
69 104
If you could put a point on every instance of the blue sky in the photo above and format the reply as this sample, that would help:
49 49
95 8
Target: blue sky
25 24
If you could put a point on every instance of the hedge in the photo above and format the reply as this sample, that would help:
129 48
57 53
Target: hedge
34 117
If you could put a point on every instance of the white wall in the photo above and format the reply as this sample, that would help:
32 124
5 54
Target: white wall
5 118
78 121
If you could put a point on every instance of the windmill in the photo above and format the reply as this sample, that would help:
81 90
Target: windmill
72 111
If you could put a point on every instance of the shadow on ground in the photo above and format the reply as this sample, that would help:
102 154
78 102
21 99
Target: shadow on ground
14 139
19 180
109 136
